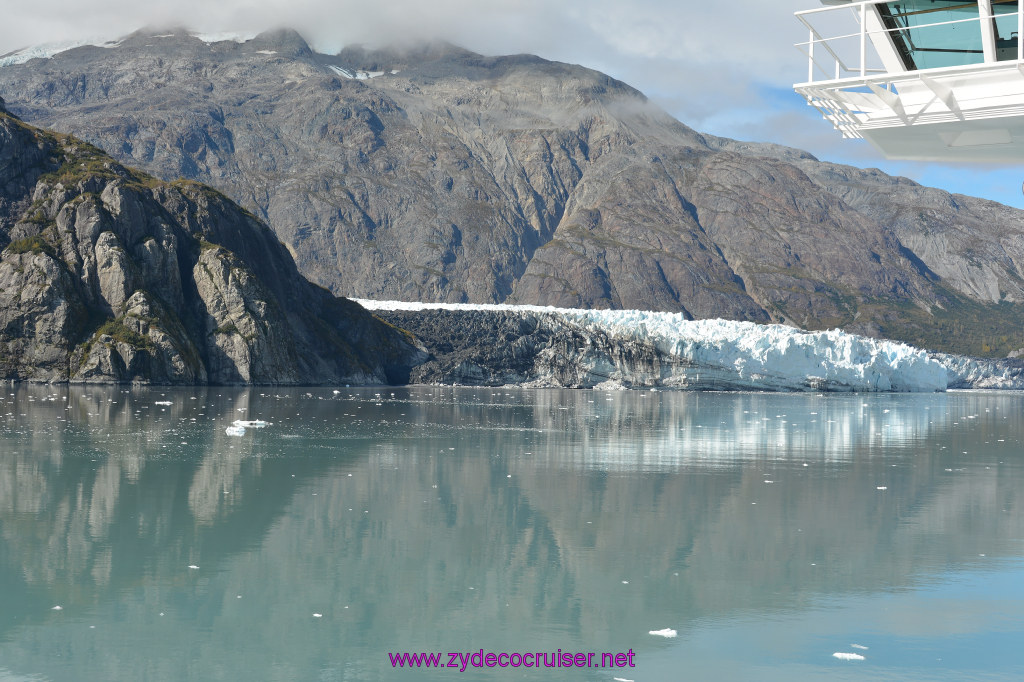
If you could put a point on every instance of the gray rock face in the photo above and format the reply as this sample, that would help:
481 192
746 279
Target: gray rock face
464 178
108 275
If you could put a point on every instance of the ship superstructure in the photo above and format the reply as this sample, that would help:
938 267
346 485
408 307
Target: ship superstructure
937 80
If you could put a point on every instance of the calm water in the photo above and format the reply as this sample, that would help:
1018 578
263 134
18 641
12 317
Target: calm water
769 531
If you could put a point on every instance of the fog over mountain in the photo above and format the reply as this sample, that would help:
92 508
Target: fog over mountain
438 174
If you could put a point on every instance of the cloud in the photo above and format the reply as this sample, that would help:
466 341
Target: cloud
723 68
697 58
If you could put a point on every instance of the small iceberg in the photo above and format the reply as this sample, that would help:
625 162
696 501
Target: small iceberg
667 632
251 424
235 430
844 656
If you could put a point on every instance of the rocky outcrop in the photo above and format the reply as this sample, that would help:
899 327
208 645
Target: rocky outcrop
109 275
442 175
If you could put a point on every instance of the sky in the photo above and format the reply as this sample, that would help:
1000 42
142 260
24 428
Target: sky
724 68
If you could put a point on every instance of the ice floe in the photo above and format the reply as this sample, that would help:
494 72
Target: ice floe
845 656
251 423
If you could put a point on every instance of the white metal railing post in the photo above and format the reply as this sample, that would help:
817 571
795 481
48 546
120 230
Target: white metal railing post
988 30
810 57
863 38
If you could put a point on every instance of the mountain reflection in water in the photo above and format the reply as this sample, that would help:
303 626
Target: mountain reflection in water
442 519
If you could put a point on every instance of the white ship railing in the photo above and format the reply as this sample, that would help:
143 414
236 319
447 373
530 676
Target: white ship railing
849 83
823 52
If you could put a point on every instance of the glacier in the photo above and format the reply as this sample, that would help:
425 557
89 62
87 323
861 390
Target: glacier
498 344
48 50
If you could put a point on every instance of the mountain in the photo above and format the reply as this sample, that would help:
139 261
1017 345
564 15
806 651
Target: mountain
437 174
110 275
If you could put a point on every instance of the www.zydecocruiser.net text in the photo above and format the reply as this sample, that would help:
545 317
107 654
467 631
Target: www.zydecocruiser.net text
462 660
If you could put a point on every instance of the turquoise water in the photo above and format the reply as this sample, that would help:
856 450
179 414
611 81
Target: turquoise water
769 531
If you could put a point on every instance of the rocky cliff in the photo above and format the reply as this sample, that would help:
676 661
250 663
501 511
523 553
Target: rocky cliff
109 275
444 175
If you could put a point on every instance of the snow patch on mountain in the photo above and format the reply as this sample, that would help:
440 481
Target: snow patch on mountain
356 74
225 36
48 50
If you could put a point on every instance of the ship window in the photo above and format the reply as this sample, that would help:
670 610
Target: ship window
1006 29
926 39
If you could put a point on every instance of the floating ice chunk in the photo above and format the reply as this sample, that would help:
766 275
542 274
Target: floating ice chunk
251 423
844 656
58 607
859 646
163 402
235 430
193 566
667 632
881 487
318 615
621 679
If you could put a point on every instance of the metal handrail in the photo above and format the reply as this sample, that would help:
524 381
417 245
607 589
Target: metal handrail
860 11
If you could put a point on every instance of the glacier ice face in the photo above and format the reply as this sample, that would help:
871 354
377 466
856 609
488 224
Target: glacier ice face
684 353
965 372
832 360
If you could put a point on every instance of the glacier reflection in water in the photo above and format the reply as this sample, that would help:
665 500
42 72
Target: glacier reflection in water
770 531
